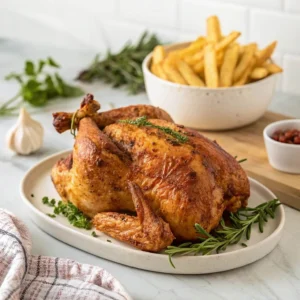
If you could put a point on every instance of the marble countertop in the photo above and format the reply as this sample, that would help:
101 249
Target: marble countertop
276 276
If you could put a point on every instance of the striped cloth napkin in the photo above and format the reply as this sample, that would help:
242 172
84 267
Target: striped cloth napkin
24 276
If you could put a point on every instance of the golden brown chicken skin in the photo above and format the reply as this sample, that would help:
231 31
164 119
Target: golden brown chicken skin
147 231
94 177
171 185
186 183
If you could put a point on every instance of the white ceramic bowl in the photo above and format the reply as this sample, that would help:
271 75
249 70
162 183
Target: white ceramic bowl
283 157
207 108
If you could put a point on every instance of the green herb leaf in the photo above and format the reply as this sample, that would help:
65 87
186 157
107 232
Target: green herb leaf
142 121
94 234
29 68
45 200
15 76
37 87
225 236
123 68
71 212
52 63
41 66
51 216
242 160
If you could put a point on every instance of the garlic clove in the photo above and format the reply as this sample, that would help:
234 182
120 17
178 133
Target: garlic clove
26 136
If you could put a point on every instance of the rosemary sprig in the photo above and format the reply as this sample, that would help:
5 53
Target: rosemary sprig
220 239
124 67
142 121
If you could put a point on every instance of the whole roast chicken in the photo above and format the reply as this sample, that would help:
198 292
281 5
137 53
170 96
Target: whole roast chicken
143 179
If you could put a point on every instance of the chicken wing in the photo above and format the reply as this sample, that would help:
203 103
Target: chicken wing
147 231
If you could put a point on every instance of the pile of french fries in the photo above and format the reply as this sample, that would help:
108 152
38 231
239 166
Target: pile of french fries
215 60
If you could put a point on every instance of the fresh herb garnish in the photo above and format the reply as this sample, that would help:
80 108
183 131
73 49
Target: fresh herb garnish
51 215
70 211
52 202
142 121
242 160
37 86
220 239
123 68
94 234
109 241
45 200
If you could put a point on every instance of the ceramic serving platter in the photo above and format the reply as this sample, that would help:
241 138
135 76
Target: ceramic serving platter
37 184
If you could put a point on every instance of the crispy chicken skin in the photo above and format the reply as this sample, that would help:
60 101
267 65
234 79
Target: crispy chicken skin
94 177
185 183
147 231
170 185
88 108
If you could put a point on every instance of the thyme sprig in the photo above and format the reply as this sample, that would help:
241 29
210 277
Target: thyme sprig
142 121
123 68
220 239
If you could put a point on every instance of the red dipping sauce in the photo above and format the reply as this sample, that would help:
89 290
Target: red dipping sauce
290 136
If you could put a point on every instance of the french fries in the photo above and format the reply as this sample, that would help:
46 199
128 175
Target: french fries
258 73
158 55
219 47
215 60
210 66
158 71
245 76
230 60
272 68
188 74
244 62
173 74
266 53
193 48
213 29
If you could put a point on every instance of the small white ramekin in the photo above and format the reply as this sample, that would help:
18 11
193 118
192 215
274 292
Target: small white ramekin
283 157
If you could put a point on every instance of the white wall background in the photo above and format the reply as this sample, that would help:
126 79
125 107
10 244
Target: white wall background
98 24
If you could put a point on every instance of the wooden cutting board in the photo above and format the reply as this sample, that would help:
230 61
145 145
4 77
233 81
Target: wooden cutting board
247 142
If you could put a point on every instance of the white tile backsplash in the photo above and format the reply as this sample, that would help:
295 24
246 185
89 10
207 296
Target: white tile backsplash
99 24
291 80
193 14
292 6
149 11
272 4
267 26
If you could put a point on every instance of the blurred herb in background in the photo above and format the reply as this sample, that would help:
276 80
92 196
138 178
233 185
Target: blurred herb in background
38 86
123 68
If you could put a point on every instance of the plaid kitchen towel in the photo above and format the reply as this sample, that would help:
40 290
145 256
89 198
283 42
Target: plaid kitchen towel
24 276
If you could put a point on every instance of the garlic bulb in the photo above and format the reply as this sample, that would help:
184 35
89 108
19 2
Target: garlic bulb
26 136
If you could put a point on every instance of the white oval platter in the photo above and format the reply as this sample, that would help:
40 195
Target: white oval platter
37 182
